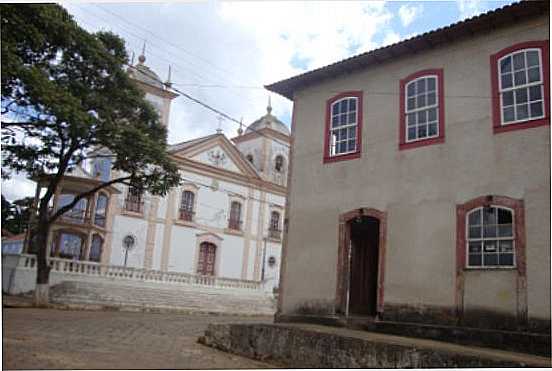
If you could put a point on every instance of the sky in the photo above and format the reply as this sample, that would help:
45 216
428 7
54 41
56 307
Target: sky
224 52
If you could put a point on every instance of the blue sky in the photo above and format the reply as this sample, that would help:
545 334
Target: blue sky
223 52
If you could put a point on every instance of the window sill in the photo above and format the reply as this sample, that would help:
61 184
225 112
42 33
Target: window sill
132 214
421 143
337 158
276 240
521 125
492 268
234 232
185 223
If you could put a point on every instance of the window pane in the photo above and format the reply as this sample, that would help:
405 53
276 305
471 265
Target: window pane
536 109
489 231
432 129
489 215
522 111
521 96
506 259
411 133
474 260
519 78
474 247
490 259
411 103
504 216
475 217
535 93
422 117
411 119
505 230
352 145
508 114
421 86
534 74
335 121
342 147
335 109
475 232
411 89
431 84
352 132
506 246
431 99
506 81
519 61
343 105
508 98
343 119
421 100
490 246
422 131
352 118
352 105
432 114
533 58
506 65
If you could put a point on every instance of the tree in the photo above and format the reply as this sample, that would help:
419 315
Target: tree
16 214
65 93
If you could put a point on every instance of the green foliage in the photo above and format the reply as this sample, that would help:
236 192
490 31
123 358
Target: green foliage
65 92
16 215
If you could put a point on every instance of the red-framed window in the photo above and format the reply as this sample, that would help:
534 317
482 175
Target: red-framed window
520 83
343 135
422 109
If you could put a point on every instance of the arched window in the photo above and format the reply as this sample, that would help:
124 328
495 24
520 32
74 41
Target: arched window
133 201
250 158
77 213
101 210
234 222
69 246
187 206
274 227
279 163
520 86
96 248
422 109
207 258
490 237
343 127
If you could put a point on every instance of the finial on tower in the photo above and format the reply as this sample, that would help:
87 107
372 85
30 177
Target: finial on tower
240 130
168 83
269 107
142 57
219 130
132 59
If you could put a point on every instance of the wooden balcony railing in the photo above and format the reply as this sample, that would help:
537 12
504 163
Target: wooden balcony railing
133 205
274 233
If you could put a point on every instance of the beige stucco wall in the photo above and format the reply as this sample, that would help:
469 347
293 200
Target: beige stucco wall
419 188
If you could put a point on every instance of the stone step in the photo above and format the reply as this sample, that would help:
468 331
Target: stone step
137 294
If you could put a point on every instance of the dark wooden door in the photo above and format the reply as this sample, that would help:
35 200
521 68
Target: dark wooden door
364 267
207 258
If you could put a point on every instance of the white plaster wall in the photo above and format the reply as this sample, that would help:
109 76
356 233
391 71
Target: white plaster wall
183 245
122 226
158 250
251 261
162 207
254 147
231 251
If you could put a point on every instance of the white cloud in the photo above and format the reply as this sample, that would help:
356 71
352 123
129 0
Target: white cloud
408 13
468 8
390 38
17 187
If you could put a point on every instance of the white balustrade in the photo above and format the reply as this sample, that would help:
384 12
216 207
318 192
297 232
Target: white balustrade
137 274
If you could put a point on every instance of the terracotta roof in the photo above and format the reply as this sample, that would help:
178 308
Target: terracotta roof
482 23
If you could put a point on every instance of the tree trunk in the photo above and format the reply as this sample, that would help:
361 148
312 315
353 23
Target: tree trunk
41 295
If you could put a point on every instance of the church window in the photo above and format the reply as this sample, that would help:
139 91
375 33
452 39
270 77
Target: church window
279 163
187 206
134 201
234 222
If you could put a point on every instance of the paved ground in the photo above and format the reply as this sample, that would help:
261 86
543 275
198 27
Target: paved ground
56 339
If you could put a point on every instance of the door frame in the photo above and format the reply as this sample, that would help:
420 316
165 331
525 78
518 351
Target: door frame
343 266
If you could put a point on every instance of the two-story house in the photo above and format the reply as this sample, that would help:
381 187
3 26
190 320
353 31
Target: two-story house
419 186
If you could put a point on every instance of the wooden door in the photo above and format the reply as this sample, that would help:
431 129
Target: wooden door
364 268
207 258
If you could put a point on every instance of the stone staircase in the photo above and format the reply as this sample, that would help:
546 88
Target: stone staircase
159 297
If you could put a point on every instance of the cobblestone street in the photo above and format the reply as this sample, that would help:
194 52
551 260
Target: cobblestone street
56 339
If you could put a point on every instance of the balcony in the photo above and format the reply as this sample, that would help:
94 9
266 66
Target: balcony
77 216
186 215
134 205
235 224
274 233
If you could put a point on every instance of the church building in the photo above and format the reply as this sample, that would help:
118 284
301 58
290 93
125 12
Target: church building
224 220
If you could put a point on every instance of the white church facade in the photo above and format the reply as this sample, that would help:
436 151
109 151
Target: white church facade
224 220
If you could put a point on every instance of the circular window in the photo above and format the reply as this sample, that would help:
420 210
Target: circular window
271 261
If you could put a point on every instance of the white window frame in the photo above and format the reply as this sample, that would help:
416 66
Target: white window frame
513 88
425 108
347 126
483 239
